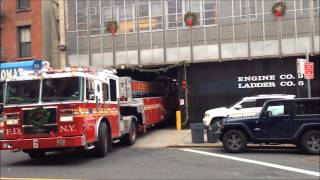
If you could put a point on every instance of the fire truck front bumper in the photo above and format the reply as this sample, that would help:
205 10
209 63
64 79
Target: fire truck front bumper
43 143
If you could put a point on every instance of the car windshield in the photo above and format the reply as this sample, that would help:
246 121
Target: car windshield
61 89
22 92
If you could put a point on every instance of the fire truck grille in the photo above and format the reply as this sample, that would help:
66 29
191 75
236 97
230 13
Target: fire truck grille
43 130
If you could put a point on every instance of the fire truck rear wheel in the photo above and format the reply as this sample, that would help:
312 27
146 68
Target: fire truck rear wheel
130 138
102 145
36 154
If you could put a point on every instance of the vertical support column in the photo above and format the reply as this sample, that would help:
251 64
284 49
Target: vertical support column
113 39
89 34
101 32
295 26
164 32
191 35
62 28
219 29
248 29
263 28
77 33
138 32
312 30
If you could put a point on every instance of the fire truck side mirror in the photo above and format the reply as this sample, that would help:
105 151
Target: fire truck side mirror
1 108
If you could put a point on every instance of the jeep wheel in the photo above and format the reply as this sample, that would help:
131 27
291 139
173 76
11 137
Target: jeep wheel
310 142
215 124
234 141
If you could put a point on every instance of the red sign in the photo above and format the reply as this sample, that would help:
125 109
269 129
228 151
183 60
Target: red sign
308 70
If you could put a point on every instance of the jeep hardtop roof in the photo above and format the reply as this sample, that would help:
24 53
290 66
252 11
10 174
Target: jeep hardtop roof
263 96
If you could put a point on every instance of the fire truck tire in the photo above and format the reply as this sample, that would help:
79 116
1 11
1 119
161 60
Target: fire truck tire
36 154
130 138
102 145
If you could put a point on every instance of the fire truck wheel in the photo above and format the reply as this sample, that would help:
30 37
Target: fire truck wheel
130 138
36 154
102 145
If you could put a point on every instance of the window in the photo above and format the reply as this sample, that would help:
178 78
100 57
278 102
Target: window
248 104
206 12
195 7
24 34
308 107
143 16
113 90
55 89
89 89
156 15
210 12
250 7
105 92
23 4
278 108
123 13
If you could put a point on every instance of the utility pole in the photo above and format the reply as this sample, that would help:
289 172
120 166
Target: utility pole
308 80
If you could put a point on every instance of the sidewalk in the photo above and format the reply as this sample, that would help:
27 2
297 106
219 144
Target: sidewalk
170 137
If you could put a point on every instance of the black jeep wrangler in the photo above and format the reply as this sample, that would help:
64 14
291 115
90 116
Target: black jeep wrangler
289 121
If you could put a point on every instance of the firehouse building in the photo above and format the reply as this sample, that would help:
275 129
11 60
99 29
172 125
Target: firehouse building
235 48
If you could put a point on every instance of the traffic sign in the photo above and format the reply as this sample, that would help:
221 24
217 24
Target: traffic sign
308 70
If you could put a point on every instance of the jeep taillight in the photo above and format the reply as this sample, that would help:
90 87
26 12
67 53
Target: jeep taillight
12 119
66 115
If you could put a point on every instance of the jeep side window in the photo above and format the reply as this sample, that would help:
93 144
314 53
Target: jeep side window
248 104
278 108
308 107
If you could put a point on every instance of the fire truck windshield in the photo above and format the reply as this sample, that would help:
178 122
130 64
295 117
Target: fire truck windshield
61 89
22 92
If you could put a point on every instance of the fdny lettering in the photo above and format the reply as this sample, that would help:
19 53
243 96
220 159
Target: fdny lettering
14 131
68 128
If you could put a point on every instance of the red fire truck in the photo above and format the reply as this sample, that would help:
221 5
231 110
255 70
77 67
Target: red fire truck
76 108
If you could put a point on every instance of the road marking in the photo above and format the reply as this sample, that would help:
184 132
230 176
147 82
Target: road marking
312 173
7 178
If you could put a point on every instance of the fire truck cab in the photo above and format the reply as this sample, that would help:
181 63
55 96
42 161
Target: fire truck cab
58 110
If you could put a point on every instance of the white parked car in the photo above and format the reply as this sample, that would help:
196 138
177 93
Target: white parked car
247 106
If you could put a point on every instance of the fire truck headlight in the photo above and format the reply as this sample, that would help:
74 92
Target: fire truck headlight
12 118
66 115
66 118
11 122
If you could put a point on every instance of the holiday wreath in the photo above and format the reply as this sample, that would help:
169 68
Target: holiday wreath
38 117
190 18
279 8
112 27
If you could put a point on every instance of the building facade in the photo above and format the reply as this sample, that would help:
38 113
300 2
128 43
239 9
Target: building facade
231 41
153 32
29 30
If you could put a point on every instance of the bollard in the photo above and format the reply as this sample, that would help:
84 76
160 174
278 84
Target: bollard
178 120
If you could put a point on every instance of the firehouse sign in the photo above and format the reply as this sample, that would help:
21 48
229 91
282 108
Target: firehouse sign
16 69
269 81
308 70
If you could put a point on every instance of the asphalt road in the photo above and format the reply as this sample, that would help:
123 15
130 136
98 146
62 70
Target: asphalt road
161 163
